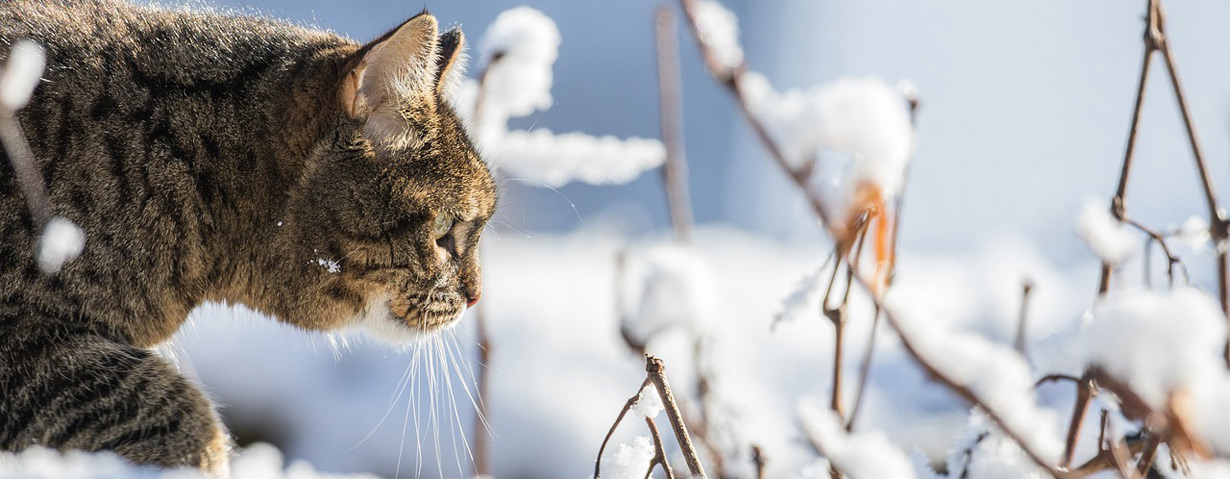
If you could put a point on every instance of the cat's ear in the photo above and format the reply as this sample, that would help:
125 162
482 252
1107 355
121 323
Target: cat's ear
400 65
450 62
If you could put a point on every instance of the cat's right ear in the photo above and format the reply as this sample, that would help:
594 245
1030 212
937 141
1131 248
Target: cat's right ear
385 74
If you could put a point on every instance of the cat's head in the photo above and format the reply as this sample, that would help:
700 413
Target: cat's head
393 211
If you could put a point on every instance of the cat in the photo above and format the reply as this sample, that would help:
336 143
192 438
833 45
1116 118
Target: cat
215 157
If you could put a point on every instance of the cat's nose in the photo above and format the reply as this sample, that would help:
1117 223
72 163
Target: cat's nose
472 298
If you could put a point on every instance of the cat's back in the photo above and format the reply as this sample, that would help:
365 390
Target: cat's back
181 44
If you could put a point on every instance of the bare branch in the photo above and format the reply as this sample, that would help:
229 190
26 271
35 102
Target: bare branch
1021 320
675 169
656 370
659 453
759 459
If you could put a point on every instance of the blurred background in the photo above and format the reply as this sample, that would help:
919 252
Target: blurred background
1024 114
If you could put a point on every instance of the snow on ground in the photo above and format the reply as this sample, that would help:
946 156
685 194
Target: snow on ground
560 373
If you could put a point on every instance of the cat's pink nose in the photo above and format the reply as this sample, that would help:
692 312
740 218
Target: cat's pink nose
472 299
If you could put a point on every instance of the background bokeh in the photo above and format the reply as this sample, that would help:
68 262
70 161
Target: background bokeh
1025 110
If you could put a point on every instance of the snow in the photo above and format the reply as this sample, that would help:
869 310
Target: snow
1193 233
719 29
996 374
628 462
21 74
519 49
259 461
861 116
1157 341
557 159
1108 237
806 296
333 267
520 82
648 404
862 455
62 241
666 286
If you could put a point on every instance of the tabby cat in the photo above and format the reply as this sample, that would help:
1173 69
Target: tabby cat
211 157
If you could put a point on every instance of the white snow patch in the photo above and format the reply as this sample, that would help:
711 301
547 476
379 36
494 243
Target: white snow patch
1109 238
863 455
62 241
628 462
648 404
1193 233
1156 341
995 373
21 74
862 116
259 461
666 286
557 159
806 297
329 265
719 29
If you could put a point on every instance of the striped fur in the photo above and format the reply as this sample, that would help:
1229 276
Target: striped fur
213 158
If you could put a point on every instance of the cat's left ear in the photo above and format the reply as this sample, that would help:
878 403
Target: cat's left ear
450 62
398 68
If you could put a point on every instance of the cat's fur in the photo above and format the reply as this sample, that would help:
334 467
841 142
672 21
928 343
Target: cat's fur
211 157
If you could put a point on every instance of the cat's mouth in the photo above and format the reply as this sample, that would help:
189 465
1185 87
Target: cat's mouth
412 317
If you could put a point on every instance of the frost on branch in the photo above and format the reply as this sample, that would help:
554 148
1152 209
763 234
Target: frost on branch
807 294
995 373
1156 341
518 50
983 453
1108 237
866 455
719 28
61 242
21 74
648 404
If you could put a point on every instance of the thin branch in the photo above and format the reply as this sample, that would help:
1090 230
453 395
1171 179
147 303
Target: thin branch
659 453
759 459
28 177
482 435
622 412
656 370
731 79
864 371
1160 239
1049 378
1024 316
1117 203
1085 392
675 169
1218 226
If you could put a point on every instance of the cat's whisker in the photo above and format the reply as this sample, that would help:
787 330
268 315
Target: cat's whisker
459 353
398 390
401 448
453 356
553 189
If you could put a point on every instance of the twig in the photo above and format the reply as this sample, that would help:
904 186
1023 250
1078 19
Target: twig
1021 320
731 79
1160 239
1218 226
28 177
656 370
482 435
1056 378
659 453
759 459
1085 392
675 169
622 412
864 371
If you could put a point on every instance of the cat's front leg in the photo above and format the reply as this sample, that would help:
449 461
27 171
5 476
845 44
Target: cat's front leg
92 394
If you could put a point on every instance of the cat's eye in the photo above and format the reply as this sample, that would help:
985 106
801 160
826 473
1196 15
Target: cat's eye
444 224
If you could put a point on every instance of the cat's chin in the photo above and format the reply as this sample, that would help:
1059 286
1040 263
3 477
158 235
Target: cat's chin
380 323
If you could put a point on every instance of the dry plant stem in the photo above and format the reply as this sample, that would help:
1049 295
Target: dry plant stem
622 412
482 437
675 169
1021 321
1156 236
656 370
1147 454
759 459
1056 378
731 79
1085 392
864 371
1217 216
28 176
659 453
